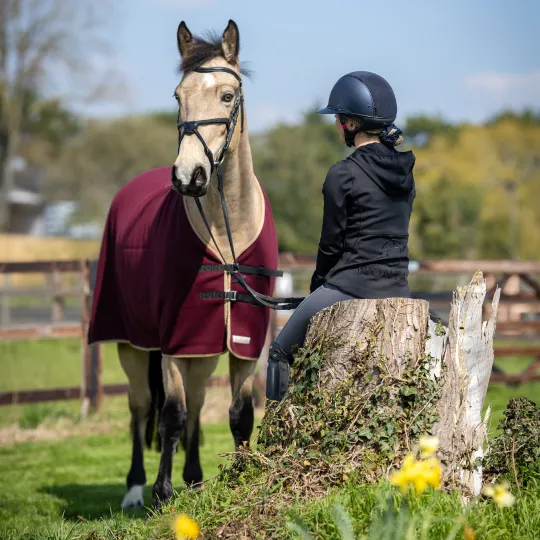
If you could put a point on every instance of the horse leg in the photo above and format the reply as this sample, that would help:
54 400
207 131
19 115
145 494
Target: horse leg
241 414
198 373
135 365
172 425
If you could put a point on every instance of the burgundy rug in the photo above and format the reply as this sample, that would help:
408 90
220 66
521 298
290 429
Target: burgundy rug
148 279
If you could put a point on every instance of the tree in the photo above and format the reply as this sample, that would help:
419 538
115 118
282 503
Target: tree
525 117
420 128
106 155
41 41
480 183
292 163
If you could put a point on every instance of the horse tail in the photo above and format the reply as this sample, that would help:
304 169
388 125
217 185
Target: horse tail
157 392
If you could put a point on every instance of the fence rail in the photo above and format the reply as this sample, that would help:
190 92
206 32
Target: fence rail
92 389
116 389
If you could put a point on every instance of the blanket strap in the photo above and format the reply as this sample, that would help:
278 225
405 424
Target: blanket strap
244 269
233 296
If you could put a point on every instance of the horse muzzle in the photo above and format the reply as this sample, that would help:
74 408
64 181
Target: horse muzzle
194 185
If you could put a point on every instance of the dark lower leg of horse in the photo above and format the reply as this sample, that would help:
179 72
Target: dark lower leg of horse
136 475
136 478
241 419
192 469
171 427
135 365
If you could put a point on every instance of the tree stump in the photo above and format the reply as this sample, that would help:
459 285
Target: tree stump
375 375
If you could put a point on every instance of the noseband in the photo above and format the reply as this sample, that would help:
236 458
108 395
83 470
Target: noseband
192 128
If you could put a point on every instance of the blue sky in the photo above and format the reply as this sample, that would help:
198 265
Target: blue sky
464 59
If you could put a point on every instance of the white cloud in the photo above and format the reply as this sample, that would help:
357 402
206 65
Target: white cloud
516 90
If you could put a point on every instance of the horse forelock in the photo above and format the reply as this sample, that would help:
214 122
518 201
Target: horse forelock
202 50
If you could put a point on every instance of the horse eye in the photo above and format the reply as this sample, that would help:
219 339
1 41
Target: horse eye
228 97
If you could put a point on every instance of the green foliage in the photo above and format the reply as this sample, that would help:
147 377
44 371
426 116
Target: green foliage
516 451
341 518
378 513
526 117
106 156
419 129
447 217
316 438
292 163
476 185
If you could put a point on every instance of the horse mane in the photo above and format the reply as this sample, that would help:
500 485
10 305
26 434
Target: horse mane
204 49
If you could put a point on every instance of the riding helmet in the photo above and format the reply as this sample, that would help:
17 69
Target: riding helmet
365 95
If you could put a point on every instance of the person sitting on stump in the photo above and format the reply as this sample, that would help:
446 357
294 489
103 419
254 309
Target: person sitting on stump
368 199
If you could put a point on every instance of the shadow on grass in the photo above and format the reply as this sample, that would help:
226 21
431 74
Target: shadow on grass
84 502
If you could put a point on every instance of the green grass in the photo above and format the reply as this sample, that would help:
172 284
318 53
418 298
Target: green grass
48 487
433 516
82 476
50 363
56 363
43 493
28 365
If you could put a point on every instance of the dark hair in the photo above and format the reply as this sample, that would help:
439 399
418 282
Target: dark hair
203 49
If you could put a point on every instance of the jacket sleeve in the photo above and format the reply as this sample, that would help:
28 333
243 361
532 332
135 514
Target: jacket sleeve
335 191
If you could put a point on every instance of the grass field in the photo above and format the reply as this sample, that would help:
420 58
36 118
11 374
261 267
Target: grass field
73 488
81 476
74 474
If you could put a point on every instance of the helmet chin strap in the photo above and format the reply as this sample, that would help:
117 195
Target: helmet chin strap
350 135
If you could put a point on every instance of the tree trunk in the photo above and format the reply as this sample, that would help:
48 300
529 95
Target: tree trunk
375 375
6 183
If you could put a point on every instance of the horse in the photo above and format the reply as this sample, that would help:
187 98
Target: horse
165 250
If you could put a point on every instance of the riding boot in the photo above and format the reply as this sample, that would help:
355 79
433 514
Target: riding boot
277 375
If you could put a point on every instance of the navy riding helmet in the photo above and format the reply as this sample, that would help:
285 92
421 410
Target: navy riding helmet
366 96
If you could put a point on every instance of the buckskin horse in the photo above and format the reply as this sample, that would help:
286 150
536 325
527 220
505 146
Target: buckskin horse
187 261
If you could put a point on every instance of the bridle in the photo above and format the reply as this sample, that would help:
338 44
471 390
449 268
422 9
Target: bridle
191 128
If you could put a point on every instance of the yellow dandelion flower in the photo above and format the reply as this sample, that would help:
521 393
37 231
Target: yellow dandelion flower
417 473
469 533
500 494
186 528
428 446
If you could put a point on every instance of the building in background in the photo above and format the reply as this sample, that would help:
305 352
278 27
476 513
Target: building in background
31 214
25 200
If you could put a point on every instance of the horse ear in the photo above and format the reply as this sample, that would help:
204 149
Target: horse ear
184 38
230 44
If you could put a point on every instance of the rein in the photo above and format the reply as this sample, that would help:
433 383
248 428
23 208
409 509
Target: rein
191 128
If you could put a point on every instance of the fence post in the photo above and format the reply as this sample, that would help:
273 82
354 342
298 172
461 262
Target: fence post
4 315
85 349
95 385
57 298
96 369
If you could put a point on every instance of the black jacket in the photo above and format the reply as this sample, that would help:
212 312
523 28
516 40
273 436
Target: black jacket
368 200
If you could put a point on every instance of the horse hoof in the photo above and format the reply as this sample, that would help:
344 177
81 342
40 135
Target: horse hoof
157 505
133 498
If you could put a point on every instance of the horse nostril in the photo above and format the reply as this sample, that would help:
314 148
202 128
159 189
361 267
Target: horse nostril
175 182
198 178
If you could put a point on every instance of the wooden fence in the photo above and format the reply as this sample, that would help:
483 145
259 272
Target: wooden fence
508 274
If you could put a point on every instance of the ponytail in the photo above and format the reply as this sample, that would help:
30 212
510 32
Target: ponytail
391 136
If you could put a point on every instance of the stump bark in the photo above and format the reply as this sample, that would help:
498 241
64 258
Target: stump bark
375 375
